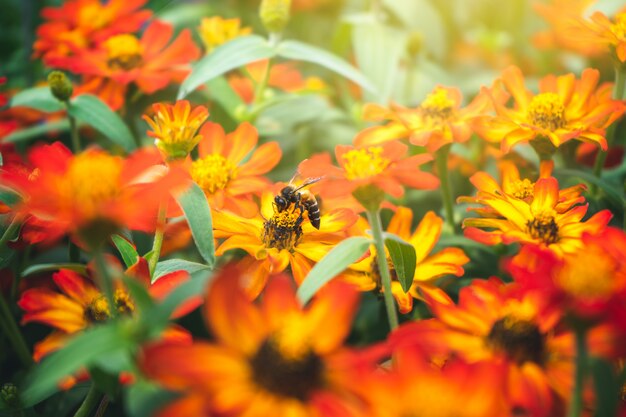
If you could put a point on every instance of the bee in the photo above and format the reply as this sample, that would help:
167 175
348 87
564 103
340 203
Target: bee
301 199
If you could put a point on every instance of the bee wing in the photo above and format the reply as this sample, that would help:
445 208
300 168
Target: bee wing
308 182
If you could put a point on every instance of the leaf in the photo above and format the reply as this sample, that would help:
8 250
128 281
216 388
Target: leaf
37 130
303 52
339 258
94 112
91 345
126 249
607 387
36 269
220 91
198 214
229 56
173 265
144 399
611 192
38 98
106 382
403 258
139 294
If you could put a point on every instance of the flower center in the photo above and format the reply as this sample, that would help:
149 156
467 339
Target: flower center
438 106
523 189
97 310
375 273
124 52
123 303
364 163
213 172
283 230
288 376
544 227
547 111
591 275
520 340
619 27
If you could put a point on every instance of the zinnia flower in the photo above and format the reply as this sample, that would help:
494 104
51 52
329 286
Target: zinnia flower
564 109
215 31
275 358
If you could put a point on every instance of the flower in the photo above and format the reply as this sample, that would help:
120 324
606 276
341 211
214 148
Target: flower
275 240
274 358
92 194
429 267
437 121
120 60
79 24
174 127
531 214
228 182
564 109
215 31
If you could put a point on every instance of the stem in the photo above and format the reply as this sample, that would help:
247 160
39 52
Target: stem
576 404
383 267
106 281
262 84
13 227
158 238
13 333
89 402
74 134
441 159
104 403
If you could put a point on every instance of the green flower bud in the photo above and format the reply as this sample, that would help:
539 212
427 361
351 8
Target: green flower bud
60 85
275 14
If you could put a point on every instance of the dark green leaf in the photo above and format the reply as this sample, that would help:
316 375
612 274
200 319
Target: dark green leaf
94 112
338 259
106 382
8 197
173 265
613 193
198 214
403 258
35 269
38 130
303 52
229 56
126 249
607 387
38 98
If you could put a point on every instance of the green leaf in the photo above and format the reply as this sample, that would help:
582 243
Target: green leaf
94 112
173 265
38 98
91 345
229 56
139 294
614 194
198 214
36 269
220 91
144 399
9 197
302 52
339 258
126 249
37 131
403 258
106 382
607 387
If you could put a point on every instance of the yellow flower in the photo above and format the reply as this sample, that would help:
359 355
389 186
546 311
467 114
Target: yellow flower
215 31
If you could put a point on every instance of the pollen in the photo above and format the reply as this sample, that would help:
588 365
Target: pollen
283 230
364 163
213 172
438 106
97 310
590 276
523 189
547 111
124 52
544 227
521 340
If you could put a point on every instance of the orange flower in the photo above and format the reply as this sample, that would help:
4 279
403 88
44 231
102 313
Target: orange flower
275 240
122 59
275 358
429 266
94 193
174 127
215 31
564 109
228 182
83 24
439 120
531 214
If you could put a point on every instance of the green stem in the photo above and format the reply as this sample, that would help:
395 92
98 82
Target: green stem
262 85
13 333
158 238
104 403
89 402
105 280
74 134
10 232
441 159
383 267
576 402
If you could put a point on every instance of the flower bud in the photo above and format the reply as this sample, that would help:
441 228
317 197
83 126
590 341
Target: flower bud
60 85
275 14
9 394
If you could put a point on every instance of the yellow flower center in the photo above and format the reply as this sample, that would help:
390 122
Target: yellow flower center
123 303
590 275
213 172
547 111
521 340
523 189
124 52
283 230
364 163
92 179
97 310
544 227
438 106
619 27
